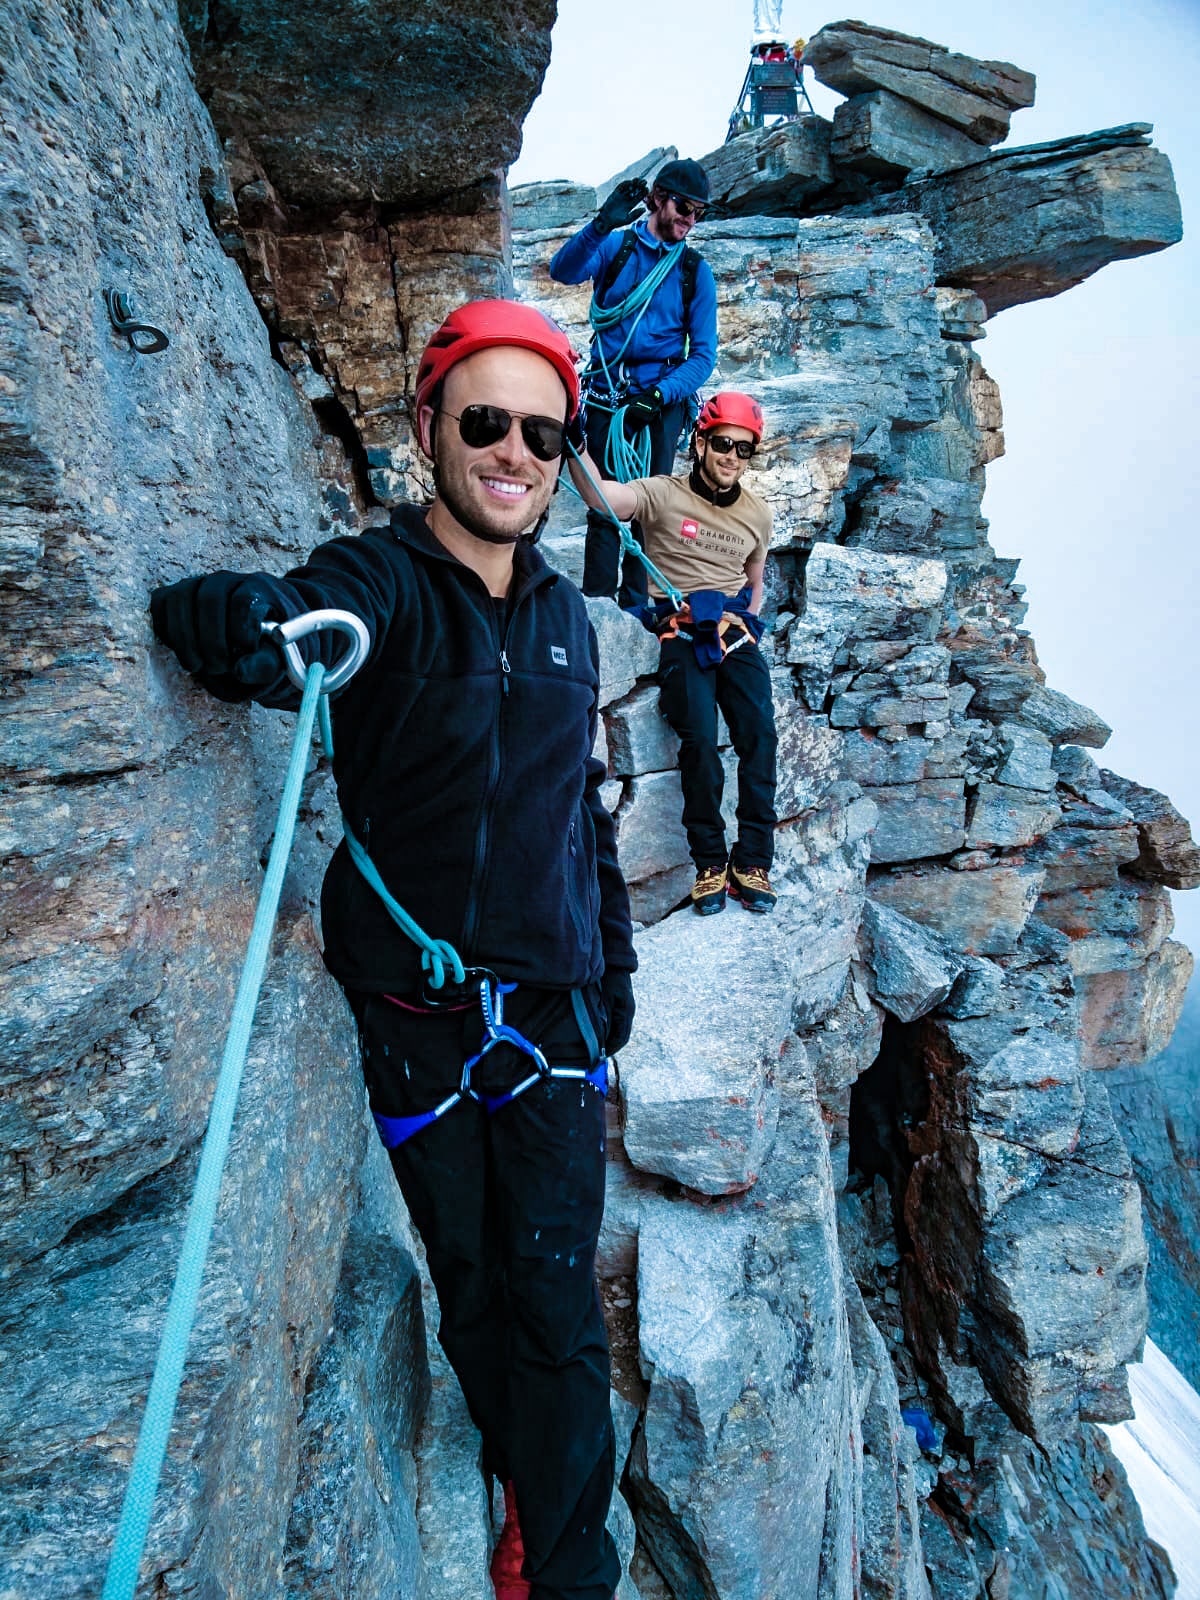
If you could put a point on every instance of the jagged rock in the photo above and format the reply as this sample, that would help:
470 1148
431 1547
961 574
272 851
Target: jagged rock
1083 857
918 820
351 1531
977 991
639 737
911 970
982 912
893 1565
1018 1159
627 650
863 594
650 836
1006 817
1032 222
1128 1013
771 169
1112 927
885 137
1158 1109
1026 762
977 96
1166 851
552 204
742 1475
342 108
1026 1523
1064 721
74 1394
809 758
919 516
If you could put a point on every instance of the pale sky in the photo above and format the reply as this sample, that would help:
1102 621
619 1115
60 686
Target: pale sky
1098 490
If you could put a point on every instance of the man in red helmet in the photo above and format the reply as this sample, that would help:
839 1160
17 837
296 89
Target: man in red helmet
648 356
708 535
464 770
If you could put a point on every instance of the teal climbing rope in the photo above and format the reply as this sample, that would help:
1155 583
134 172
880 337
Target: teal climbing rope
625 458
628 542
121 1579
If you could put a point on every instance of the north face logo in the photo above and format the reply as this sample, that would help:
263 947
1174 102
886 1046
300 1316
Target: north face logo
558 655
688 529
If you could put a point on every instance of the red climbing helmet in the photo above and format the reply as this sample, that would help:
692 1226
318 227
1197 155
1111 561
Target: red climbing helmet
482 324
731 410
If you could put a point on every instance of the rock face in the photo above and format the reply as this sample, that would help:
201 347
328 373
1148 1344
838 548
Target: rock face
390 103
978 97
874 1255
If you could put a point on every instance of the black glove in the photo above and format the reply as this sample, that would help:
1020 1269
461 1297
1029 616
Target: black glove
622 205
641 409
616 990
214 625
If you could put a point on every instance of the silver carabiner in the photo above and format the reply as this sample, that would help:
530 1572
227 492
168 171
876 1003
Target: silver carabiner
286 634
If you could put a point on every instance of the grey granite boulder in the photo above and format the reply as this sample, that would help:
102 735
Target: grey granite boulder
918 820
910 969
340 108
981 911
743 1475
771 169
977 96
1032 222
1005 816
1166 851
1063 720
627 650
884 136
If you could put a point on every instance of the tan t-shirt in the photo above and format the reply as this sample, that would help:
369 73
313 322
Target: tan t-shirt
695 544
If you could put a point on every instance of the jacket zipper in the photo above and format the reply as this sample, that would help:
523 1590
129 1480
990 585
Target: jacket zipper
471 914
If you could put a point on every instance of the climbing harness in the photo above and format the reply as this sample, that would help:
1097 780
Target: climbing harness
628 543
121 1579
394 1131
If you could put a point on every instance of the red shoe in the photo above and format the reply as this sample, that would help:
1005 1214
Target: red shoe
509 1555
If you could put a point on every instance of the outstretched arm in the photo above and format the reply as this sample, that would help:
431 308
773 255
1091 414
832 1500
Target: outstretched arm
621 499
754 576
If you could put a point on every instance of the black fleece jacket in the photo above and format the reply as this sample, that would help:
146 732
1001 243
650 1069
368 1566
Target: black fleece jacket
462 754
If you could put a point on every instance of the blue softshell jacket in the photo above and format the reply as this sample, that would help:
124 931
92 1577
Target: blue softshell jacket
463 761
655 356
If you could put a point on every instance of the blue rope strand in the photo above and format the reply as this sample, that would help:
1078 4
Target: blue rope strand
121 1579
628 542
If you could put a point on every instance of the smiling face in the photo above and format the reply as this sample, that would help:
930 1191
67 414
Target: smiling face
721 471
665 221
498 492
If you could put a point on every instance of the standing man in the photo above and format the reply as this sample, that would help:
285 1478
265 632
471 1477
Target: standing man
708 535
464 770
654 311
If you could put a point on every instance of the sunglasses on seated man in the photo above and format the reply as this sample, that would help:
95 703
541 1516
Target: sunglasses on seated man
480 426
722 444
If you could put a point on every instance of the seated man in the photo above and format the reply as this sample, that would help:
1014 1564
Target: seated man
708 536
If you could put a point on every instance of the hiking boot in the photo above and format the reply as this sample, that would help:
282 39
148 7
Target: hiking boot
509 1555
752 887
708 891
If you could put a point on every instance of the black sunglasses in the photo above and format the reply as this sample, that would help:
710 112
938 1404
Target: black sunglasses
480 426
723 444
687 208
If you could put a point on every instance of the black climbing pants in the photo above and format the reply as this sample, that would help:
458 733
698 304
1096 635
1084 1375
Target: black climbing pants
602 544
509 1209
689 697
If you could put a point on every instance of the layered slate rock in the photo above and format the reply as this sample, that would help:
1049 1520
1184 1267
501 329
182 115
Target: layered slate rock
885 137
1029 223
775 169
742 1473
977 97
397 104
1167 853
